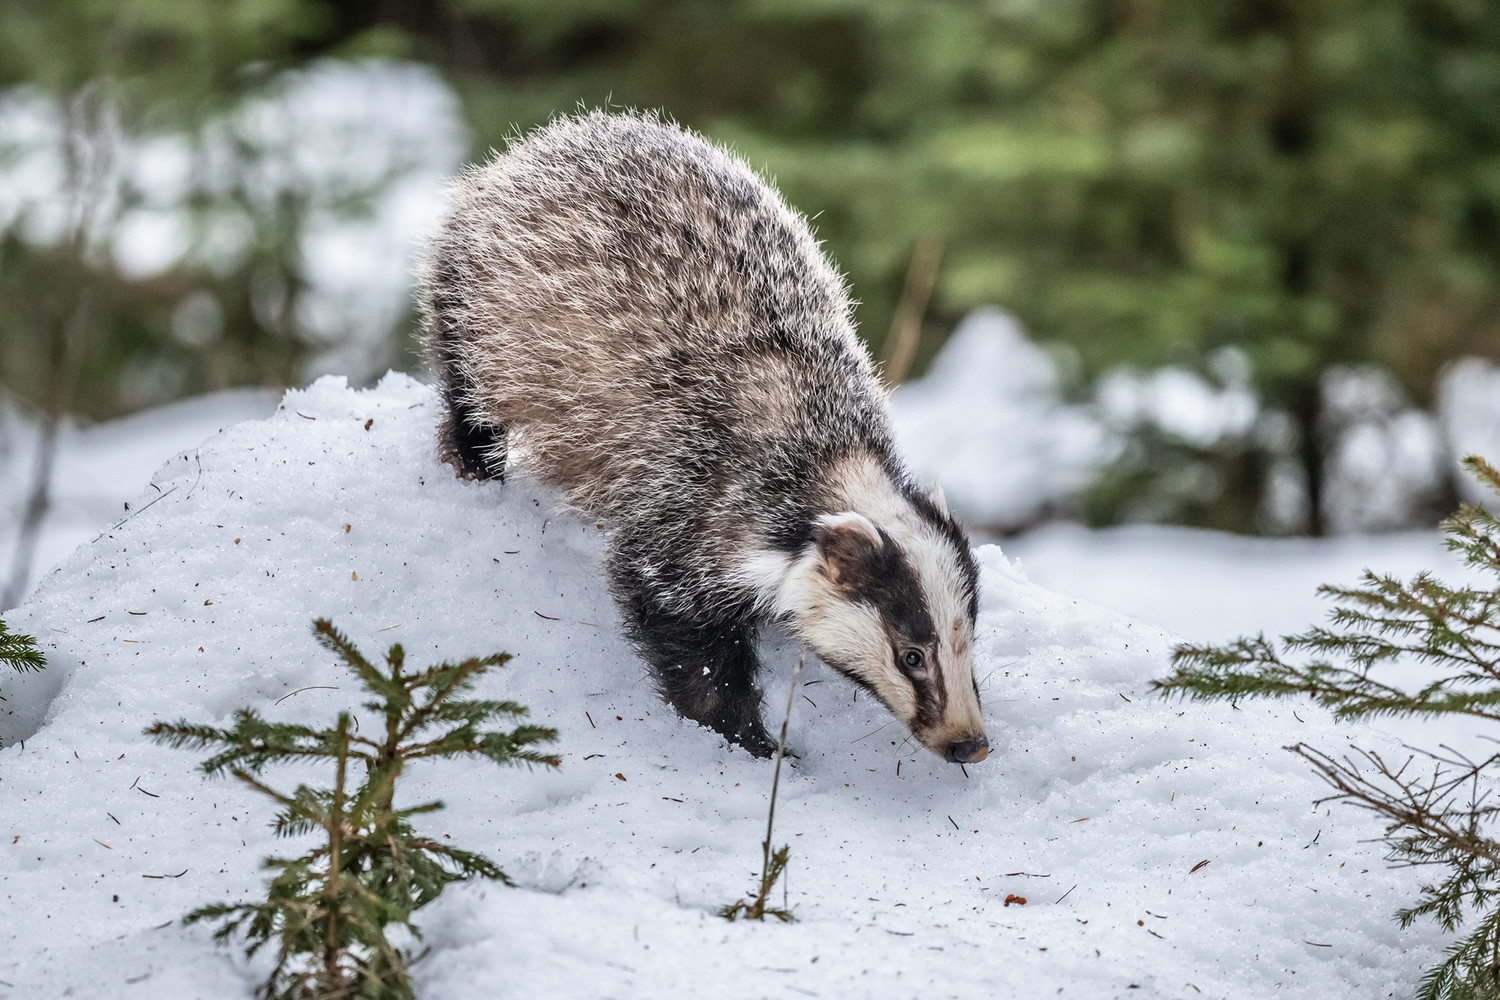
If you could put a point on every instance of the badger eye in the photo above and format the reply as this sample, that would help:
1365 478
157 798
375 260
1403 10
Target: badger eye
912 658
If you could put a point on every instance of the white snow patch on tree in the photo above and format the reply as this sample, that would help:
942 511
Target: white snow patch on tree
1469 404
987 422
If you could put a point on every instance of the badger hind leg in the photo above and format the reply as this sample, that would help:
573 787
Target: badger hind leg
476 449
705 669
469 440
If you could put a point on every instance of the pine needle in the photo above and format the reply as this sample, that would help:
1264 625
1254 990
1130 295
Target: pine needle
19 652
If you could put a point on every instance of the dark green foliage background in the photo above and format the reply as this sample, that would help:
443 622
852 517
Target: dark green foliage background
1143 181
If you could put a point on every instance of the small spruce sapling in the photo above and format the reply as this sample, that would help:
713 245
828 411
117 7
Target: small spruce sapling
773 863
1441 812
19 651
329 909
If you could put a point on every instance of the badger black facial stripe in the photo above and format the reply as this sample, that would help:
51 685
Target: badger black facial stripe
944 523
930 691
895 592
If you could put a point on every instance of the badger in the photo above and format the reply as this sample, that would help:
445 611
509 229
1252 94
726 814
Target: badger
658 335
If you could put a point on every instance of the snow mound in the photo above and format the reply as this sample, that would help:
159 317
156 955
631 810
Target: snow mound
1100 804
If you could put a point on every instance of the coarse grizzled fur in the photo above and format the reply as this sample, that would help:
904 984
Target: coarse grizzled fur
652 329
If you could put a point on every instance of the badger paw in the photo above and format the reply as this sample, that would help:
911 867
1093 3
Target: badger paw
758 742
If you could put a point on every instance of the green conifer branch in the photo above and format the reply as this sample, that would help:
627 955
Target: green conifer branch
1471 968
18 651
1439 809
251 744
337 643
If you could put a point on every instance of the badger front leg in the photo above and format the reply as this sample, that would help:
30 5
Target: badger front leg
707 673
705 668
474 445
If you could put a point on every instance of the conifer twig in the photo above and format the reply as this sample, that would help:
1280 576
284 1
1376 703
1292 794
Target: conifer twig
773 863
331 938
18 651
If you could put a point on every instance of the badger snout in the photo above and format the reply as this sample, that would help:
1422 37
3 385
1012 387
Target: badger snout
968 751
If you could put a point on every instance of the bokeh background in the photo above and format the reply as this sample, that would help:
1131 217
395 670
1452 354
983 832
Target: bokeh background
1233 265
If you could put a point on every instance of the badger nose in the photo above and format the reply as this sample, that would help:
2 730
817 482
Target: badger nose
969 751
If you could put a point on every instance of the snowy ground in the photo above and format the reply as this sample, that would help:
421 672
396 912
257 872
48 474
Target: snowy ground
1210 587
1098 805
101 468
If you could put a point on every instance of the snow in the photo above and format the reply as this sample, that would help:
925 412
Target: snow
1469 403
1097 804
1179 403
1388 464
1207 586
1210 587
100 468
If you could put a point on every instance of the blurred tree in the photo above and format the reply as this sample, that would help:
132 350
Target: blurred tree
1145 181
93 81
1314 183
88 86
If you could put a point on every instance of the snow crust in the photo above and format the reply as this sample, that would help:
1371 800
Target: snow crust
1210 587
1098 804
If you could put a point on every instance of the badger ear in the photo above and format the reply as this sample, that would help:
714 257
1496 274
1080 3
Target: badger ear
847 545
938 499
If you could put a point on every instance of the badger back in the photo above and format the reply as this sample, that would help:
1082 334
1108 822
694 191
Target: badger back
630 301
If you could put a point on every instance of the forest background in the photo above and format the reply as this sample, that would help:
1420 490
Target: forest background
1294 203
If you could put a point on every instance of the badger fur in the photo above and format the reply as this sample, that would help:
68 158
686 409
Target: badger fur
654 331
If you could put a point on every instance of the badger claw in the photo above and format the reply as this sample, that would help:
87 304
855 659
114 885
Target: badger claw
758 743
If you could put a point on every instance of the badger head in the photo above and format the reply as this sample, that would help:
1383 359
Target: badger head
890 602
